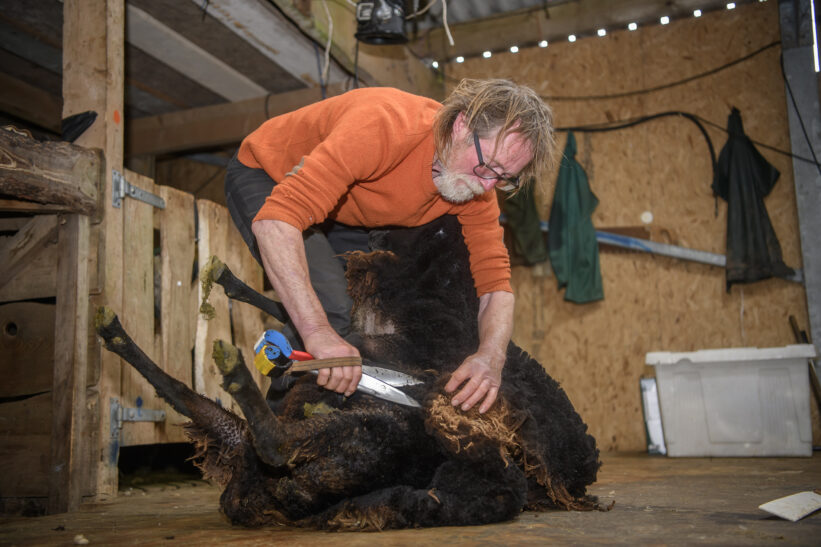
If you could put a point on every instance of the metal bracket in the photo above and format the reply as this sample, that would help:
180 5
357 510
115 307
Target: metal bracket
120 415
120 188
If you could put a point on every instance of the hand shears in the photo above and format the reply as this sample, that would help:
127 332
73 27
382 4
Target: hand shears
273 356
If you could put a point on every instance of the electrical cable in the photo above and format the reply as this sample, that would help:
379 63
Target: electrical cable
356 65
624 124
326 68
798 114
667 85
319 70
656 88
444 17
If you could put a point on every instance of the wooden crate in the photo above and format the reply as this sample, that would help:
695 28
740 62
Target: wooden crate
162 250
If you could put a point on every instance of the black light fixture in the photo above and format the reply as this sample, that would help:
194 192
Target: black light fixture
380 22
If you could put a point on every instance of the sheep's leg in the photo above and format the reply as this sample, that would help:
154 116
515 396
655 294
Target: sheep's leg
216 271
177 394
460 494
237 380
207 416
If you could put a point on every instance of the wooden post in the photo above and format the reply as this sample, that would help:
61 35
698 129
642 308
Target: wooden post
67 469
93 46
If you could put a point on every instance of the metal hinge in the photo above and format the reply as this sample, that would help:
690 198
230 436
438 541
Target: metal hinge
120 188
120 415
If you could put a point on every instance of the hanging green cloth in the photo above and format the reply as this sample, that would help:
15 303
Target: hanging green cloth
525 226
574 251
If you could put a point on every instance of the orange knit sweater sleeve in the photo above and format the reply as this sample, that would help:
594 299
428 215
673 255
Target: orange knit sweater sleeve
364 159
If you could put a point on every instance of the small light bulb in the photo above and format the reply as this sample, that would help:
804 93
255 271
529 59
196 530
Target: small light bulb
486 55
632 26
664 20
514 49
697 13
601 32
571 38
460 59
435 64
543 43
731 5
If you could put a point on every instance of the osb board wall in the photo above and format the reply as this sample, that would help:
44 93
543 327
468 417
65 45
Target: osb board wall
654 303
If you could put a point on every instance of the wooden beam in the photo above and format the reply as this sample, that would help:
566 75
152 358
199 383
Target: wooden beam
30 103
70 367
527 27
392 66
272 34
49 172
19 250
210 126
162 43
23 206
93 79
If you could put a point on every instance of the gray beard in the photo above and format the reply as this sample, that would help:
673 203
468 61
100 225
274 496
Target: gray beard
456 189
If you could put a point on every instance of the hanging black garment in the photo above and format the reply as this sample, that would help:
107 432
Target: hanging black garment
525 225
743 179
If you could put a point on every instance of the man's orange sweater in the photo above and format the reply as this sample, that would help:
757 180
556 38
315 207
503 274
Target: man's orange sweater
364 158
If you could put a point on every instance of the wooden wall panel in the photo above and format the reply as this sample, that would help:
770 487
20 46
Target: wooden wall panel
177 320
654 303
218 236
249 321
137 315
26 348
25 446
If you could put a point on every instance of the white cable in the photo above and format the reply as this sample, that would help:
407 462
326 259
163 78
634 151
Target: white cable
327 67
423 10
445 21
741 314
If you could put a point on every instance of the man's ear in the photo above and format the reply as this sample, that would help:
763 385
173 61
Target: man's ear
460 128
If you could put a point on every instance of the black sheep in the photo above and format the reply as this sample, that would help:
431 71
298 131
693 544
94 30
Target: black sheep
366 464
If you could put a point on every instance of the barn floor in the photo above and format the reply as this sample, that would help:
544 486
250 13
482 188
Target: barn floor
658 500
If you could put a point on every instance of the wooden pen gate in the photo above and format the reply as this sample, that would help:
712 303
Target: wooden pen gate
162 250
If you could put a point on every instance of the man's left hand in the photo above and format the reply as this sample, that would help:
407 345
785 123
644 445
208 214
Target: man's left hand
483 372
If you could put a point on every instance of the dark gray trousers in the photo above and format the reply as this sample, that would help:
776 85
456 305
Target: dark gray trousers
245 193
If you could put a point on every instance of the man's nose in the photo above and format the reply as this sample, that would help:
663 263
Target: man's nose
487 184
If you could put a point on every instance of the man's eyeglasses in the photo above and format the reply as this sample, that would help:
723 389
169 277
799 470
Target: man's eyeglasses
484 171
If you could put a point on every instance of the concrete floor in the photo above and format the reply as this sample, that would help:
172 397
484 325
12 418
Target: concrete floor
658 501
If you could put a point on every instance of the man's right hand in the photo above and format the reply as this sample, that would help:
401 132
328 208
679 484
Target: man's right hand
325 343
283 255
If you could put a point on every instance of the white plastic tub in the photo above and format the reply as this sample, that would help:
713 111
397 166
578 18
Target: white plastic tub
735 402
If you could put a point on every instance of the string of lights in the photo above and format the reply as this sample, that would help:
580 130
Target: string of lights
600 32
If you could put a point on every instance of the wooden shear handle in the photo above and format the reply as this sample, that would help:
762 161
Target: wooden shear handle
314 364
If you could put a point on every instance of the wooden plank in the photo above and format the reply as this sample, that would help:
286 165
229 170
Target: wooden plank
216 125
377 65
25 441
214 225
23 206
70 365
93 79
27 347
137 314
19 250
38 279
274 36
49 172
13 224
174 50
249 321
29 103
177 255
